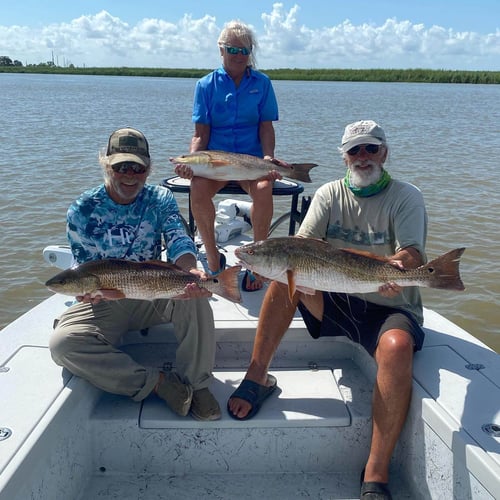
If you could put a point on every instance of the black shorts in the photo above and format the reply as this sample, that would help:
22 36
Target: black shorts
361 321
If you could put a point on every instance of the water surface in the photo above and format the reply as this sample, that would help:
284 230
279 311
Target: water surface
444 138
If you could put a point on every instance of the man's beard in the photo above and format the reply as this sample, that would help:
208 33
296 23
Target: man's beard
364 177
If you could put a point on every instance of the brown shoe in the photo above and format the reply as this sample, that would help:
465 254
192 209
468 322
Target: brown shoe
204 406
177 395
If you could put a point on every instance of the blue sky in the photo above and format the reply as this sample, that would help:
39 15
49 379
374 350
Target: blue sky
437 34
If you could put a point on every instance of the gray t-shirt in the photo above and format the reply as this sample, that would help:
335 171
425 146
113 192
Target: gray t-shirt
383 224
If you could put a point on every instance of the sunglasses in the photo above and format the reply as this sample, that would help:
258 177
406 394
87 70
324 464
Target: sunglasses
122 168
236 50
372 149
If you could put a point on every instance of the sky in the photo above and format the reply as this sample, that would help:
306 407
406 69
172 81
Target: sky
432 34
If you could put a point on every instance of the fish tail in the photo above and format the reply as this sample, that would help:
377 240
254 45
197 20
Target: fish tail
300 171
228 284
443 271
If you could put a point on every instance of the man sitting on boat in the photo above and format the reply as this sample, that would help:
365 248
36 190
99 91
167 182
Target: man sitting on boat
125 218
366 210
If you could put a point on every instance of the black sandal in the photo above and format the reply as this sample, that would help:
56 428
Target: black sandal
372 490
253 393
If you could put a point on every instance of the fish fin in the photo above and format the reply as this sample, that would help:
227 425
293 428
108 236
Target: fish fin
364 253
160 263
228 281
219 163
444 272
298 171
109 294
291 283
155 264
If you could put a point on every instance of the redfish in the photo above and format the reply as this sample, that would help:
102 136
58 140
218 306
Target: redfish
308 264
224 166
118 279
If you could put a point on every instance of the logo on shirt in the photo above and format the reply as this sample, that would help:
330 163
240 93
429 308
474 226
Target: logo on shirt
120 236
356 235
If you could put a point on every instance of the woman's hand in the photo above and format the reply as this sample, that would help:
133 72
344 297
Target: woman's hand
184 171
274 175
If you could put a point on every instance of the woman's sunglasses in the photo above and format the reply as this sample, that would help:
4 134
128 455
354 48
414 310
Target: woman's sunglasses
372 149
236 50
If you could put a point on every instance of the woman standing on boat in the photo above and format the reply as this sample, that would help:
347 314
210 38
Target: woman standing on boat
234 109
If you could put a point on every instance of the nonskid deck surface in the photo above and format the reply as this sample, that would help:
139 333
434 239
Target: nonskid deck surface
281 486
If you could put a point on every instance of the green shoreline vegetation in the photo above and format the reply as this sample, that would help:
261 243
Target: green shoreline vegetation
336 75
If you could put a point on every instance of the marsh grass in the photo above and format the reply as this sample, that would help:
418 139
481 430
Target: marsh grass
339 75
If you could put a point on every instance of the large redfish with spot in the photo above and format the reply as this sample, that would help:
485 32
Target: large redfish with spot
224 166
119 279
308 264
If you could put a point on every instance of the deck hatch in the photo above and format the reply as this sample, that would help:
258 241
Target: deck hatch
303 398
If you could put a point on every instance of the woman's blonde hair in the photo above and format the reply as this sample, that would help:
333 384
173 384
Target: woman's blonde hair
244 34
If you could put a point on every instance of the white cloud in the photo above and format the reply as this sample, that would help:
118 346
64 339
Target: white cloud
105 40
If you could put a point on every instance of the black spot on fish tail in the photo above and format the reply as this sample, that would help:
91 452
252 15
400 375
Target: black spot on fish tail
227 285
443 272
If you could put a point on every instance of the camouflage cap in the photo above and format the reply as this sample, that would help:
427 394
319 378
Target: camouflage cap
128 144
362 132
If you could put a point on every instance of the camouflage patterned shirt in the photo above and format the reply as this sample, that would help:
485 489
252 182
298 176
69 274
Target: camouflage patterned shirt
99 228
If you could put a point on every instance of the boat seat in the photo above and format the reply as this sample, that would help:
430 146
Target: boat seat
281 187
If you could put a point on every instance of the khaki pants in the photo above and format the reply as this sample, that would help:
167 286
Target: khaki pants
86 337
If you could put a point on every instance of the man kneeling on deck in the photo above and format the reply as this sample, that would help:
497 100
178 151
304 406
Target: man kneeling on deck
366 210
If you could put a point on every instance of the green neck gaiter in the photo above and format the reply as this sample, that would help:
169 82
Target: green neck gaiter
370 190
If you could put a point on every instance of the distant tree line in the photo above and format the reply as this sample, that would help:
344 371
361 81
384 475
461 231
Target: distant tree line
7 61
415 75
